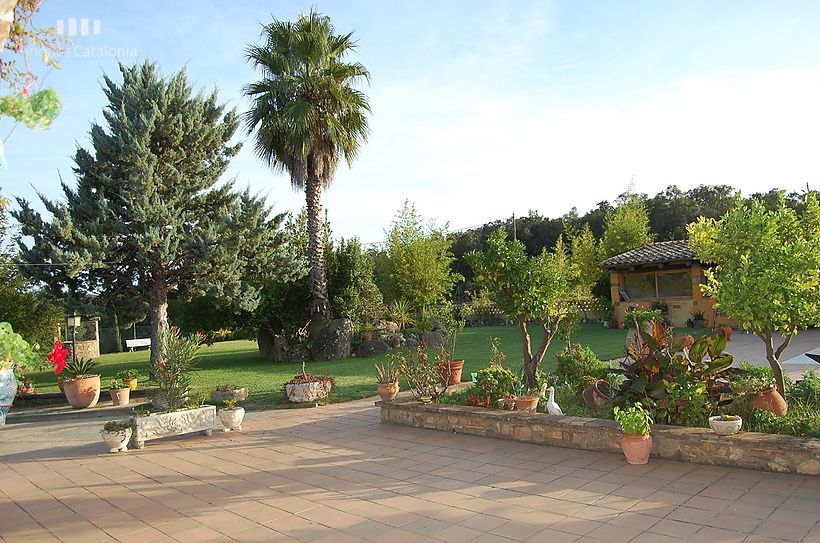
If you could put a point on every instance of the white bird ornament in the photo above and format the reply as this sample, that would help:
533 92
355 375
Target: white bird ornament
552 407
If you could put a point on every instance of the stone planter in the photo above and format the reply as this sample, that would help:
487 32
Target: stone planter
725 427
636 448
120 396
451 372
388 391
117 441
218 397
769 400
83 392
232 418
526 404
175 423
308 392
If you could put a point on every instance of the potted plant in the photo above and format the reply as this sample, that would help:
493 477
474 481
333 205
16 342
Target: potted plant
636 442
450 367
81 387
698 319
725 425
120 392
229 392
180 414
496 381
231 416
16 356
305 387
758 387
388 379
597 395
129 377
116 434
368 330
526 400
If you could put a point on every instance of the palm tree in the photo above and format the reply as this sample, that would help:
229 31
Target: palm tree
306 115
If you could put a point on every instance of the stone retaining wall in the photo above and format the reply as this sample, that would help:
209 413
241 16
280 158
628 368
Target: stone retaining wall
752 450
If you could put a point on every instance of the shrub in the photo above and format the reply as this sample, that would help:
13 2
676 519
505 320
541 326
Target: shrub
495 381
807 389
685 404
579 367
422 374
173 374
802 420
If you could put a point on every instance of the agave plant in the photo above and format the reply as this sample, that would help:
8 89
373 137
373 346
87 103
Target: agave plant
658 360
80 367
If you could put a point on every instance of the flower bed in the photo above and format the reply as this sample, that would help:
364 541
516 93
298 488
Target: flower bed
745 450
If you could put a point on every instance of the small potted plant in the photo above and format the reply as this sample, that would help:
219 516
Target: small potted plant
526 400
82 388
725 425
129 377
759 389
116 434
388 379
229 392
120 392
450 367
698 319
368 331
636 442
305 387
231 416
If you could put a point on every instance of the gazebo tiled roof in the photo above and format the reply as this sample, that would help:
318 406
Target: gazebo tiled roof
660 252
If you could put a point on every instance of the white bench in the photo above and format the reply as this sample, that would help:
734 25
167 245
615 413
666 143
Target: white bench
141 342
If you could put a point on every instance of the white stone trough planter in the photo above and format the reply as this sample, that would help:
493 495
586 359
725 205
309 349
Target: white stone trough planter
185 421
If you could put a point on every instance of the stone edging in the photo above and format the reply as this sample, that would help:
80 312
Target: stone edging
751 450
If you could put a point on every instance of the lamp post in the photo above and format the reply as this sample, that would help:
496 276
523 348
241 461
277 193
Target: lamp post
73 321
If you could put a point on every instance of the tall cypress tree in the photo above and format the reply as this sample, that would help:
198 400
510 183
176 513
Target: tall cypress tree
149 216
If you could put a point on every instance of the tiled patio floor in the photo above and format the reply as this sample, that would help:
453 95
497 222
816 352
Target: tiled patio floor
336 474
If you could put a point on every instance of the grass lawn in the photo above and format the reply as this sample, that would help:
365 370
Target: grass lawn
238 362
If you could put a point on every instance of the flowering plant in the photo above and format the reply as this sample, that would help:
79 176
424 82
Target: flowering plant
57 356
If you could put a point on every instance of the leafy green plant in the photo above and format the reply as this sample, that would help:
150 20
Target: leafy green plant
117 384
116 426
387 373
642 316
807 389
633 420
578 367
698 316
685 404
227 387
173 373
15 352
801 420
402 314
82 367
229 403
751 379
127 375
495 381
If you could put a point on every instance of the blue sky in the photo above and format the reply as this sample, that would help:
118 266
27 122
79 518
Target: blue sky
482 109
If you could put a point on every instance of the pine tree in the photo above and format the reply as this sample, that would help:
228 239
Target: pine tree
149 216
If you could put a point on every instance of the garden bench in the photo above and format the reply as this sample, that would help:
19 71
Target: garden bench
141 342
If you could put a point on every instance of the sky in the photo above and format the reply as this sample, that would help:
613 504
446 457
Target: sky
482 109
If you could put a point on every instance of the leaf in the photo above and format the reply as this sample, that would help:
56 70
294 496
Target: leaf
698 350
717 343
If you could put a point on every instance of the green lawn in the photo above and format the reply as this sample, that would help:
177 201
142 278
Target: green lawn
238 362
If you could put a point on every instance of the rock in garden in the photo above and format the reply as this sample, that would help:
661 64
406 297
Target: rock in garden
372 348
411 344
386 327
433 339
333 342
299 354
271 346
394 340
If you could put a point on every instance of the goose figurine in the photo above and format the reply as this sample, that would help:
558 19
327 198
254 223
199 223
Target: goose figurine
552 407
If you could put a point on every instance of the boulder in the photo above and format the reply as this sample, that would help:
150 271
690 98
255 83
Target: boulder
372 348
333 341
411 344
433 339
394 340
299 354
386 327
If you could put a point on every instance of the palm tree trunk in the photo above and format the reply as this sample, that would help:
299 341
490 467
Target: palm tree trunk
319 303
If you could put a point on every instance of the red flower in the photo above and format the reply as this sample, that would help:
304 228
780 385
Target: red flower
57 356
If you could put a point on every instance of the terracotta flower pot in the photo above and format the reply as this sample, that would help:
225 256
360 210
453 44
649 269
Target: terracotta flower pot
388 391
526 404
120 396
82 393
636 448
132 383
453 369
598 395
769 400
